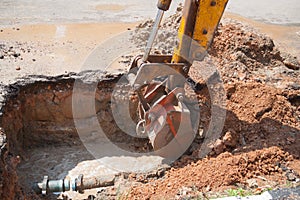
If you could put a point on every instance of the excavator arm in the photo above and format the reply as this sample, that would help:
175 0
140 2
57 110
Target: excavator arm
199 21
163 114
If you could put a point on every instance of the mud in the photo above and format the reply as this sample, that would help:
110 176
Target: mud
51 50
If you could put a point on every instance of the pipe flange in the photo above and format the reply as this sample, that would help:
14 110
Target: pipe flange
79 183
44 185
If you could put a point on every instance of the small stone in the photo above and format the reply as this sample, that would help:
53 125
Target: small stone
1 56
290 158
219 146
291 140
283 167
33 60
291 65
18 68
252 183
230 139
201 133
91 197
290 61
290 176
161 172
16 55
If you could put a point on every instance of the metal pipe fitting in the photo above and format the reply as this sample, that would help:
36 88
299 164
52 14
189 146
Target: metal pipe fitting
51 186
78 184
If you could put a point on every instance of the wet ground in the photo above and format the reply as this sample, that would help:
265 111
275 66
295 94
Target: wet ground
24 12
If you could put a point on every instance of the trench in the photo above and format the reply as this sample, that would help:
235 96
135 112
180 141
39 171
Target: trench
39 125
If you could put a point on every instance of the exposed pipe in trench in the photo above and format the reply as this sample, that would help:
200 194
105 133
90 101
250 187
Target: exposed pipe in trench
78 184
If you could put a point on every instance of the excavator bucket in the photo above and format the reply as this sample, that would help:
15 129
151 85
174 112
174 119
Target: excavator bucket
164 116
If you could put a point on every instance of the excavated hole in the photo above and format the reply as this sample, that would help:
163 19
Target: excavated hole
39 125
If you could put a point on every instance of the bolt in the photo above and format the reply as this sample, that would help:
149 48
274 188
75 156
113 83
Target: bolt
213 3
180 96
185 69
204 32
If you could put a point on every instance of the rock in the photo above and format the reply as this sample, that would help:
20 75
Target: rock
290 140
2 138
283 167
218 146
1 56
184 191
291 65
16 54
295 86
161 172
230 139
290 176
290 61
252 183
201 133
18 68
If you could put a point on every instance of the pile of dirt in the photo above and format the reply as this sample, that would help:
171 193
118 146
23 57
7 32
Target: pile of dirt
255 102
259 149
244 45
257 116
244 54
215 174
260 137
